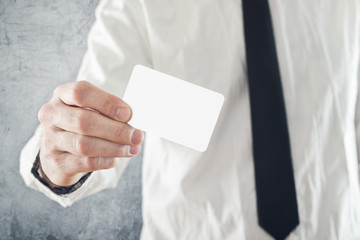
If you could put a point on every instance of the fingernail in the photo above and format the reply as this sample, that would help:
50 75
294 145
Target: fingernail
123 113
136 137
134 149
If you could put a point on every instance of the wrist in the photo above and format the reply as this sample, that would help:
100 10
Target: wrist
39 174
65 183
52 174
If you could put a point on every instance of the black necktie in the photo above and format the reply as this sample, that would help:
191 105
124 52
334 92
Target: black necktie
275 187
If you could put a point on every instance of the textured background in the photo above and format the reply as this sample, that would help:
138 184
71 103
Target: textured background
41 46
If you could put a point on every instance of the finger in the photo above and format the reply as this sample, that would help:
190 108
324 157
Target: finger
82 145
72 164
84 94
90 123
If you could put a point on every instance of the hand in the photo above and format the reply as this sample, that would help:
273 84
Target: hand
84 129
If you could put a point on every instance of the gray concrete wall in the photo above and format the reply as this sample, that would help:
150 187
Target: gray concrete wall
41 46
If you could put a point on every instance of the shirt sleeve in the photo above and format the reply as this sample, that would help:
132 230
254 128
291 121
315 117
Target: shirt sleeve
117 41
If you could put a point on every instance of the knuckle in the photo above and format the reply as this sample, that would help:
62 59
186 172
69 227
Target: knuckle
124 151
78 91
110 163
82 145
97 163
45 112
59 89
82 120
49 139
85 161
120 133
90 163
108 102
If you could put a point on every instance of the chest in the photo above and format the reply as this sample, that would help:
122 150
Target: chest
202 42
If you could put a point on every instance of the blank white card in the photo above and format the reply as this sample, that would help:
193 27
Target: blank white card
171 108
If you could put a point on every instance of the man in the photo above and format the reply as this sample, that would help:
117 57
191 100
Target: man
210 195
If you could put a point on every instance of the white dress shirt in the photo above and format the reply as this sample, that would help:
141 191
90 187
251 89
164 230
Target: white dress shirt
211 195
